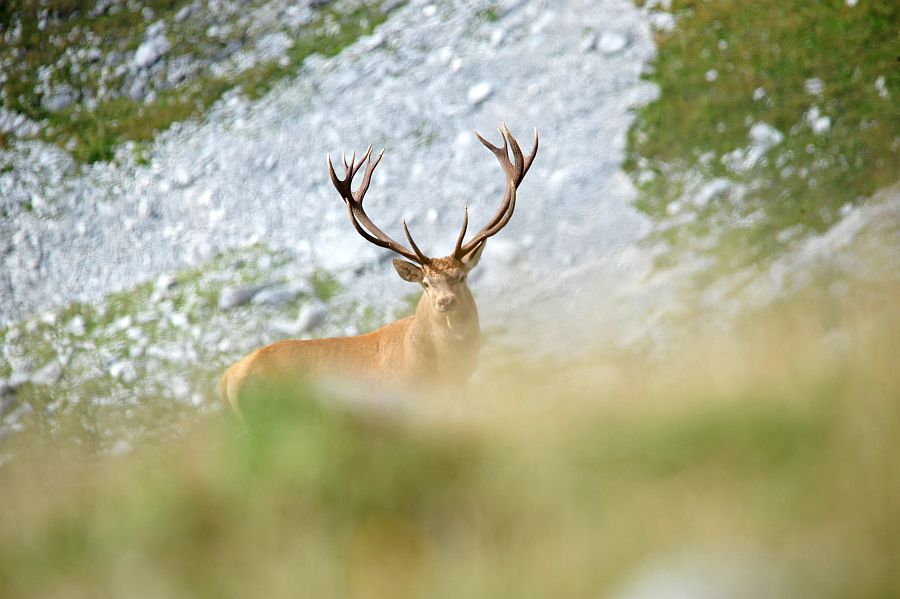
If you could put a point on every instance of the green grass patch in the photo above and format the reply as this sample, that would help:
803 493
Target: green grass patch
325 286
730 65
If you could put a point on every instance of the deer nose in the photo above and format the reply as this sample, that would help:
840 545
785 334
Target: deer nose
445 304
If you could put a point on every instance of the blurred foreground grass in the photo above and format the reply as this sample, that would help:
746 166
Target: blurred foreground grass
542 480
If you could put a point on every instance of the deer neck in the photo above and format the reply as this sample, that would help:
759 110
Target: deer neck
445 346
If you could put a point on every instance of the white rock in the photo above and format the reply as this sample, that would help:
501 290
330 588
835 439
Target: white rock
278 295
765 135
49 374
121 323
662 21
817 122
273 45
151 50
881 88
814 86
715 189
480 92
164 283
181 177
589 42
124 371
612 42
821 125
60 98
231 297
76 326
179 320
311 315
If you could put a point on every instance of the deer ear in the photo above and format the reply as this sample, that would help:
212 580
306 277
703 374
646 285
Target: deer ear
471 259
408 271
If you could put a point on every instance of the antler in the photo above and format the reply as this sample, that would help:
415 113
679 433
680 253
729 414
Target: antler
361 222
515 172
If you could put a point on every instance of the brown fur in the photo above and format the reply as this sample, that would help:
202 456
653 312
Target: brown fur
431 348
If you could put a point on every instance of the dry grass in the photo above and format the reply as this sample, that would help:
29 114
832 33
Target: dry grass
550 480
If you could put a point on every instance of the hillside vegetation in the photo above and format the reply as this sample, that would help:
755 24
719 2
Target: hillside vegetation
774 120
90 76
767 461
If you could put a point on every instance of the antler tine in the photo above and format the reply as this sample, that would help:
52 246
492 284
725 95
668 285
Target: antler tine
423 259
516 150
367 176
534 149
462 232
358 217
515 170
365 158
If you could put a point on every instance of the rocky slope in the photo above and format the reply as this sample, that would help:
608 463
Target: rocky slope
254 172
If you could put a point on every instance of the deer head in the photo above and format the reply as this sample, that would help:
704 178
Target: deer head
443 279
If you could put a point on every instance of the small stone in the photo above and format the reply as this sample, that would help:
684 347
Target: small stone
60 98
277 296
164 283
124 371
76 326
814 86
763 134
497 36
152 49
121 323
49 374
181 177
881 88
179 320
311 315
137 90
612 42
185 11
232 297
821 125
589 42
715 189
817 122
480 92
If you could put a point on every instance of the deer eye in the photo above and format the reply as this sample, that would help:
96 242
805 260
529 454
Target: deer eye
426 284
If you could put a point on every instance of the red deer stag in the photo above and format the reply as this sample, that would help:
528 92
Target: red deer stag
439 345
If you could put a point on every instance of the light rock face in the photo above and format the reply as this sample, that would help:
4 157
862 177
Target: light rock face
419 86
